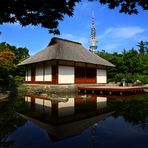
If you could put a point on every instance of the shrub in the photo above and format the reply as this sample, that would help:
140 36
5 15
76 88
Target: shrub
131 78
18 80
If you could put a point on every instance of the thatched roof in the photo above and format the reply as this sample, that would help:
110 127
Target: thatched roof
61 49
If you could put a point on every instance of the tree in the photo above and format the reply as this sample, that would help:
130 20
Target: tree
126 6
6 64
146 48
10 56
48 13
131 65
20 53
132 61
141 46
6 58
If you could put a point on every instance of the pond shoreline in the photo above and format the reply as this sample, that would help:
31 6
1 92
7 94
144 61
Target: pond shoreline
34 89
71 88
49 89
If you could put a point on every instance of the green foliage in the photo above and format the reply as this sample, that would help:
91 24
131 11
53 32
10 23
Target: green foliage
141 46
48 13
18 80
4 76
134 110
126 6
132 61
10 56
130 78
20 53
131 65
7 58
9 121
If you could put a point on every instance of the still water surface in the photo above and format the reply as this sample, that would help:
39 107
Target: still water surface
74 121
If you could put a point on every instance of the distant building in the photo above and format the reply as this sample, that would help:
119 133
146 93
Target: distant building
65 62
93 40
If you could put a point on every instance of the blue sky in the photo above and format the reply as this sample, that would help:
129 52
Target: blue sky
115 31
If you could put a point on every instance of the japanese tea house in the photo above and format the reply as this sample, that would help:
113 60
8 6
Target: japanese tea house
65 62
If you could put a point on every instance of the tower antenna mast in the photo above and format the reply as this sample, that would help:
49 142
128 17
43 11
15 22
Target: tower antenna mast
93 40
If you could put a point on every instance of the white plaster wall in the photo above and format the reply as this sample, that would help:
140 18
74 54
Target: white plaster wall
39 72
66 108
66 75
101 76
48 74
28 74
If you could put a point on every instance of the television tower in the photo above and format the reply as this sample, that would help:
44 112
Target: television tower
93 40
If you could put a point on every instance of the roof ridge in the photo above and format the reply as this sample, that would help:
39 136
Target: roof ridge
57 38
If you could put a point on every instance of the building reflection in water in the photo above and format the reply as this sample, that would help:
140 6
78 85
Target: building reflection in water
101 102
67 116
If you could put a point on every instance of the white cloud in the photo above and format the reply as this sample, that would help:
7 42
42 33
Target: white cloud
67 35
123 32
129 32
72 37
117 38
113 39
82 40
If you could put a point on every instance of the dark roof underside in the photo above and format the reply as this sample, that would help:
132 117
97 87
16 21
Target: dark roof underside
61 49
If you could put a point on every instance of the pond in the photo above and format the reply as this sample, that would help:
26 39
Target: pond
74 121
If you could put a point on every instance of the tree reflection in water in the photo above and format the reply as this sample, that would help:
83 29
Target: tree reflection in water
66 117
134 111
9 121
